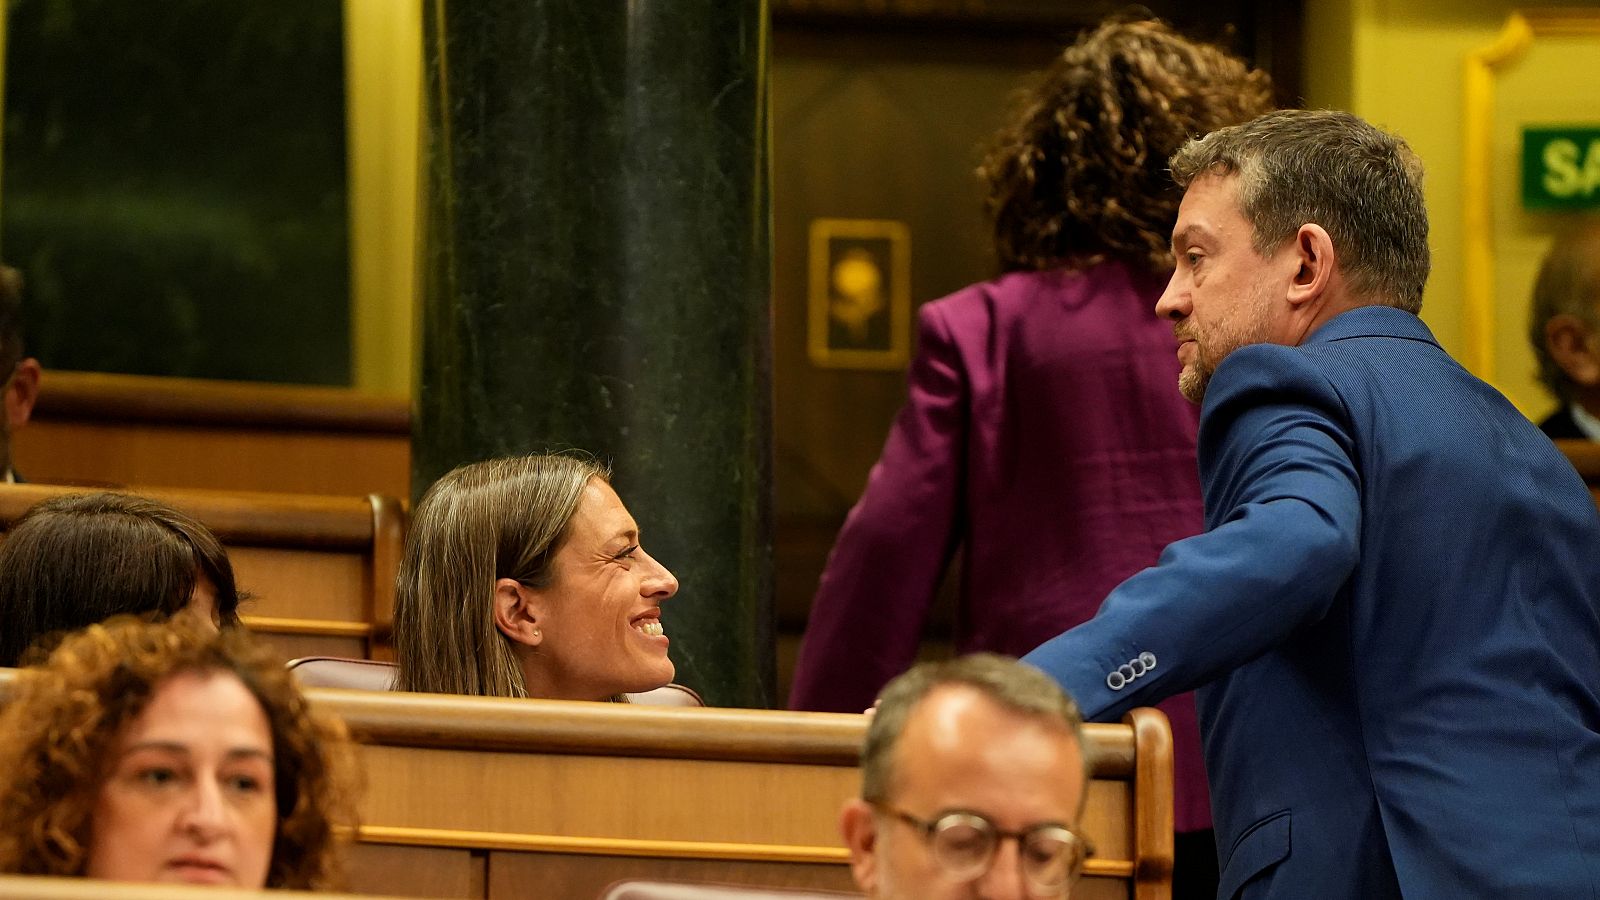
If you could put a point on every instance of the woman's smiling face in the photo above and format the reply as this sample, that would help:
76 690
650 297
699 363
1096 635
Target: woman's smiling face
600 614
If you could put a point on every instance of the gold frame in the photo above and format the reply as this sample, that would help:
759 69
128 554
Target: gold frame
823 233
1521 29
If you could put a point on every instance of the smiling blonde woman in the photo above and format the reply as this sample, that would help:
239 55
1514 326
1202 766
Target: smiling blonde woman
524 577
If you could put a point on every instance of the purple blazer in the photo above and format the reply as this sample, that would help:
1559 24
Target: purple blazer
1045 434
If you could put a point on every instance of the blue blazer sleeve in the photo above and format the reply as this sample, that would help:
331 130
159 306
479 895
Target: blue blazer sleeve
1283 517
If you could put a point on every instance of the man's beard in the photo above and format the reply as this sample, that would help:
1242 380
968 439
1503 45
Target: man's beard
1253 328
1192 380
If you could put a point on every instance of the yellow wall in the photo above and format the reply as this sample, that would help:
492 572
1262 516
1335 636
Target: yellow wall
383 63
1401 64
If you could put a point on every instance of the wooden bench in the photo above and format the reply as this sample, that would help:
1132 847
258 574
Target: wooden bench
91 428
492 798
476 797
321 570
19 887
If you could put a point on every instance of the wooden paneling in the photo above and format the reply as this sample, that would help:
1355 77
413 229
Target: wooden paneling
417 871
139 430
299 584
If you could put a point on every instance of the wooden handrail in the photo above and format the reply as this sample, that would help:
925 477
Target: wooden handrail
254 519
101 397
1153 818
446 721
34 887
602 729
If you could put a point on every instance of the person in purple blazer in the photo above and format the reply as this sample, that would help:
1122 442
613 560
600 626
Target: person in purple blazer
1043 432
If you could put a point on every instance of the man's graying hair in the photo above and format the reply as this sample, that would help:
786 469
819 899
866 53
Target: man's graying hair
1330 168
1568 283
1014 686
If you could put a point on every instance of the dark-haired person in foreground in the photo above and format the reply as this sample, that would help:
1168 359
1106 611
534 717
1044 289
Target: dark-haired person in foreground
77 559
1042 433
1392 616
20 389
173 753
973 779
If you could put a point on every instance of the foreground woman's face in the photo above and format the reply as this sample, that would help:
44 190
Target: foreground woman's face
602 628
188 794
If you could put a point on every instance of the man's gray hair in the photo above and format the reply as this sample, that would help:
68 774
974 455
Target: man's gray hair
1331 168
1012 685
1568 283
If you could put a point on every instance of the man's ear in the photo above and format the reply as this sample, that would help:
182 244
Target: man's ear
859 827
1313 257
1570 341
22 392
517 613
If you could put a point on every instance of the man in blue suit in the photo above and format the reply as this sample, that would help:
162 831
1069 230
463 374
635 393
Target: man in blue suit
1393 610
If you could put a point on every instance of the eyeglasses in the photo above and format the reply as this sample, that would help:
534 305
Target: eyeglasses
964 844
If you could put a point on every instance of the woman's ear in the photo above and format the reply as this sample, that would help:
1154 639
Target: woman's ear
517 613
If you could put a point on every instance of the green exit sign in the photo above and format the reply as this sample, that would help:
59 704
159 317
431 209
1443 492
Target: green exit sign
1561 168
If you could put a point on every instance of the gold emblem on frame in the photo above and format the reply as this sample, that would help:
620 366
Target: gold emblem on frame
859 294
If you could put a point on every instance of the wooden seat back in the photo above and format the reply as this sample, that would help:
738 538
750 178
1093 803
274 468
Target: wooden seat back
320 570
28 887
489 797
93 428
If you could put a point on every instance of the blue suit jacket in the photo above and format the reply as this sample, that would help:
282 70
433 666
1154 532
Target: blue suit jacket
1393 610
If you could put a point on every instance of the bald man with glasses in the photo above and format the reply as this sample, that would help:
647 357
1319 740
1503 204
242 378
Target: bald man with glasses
973 780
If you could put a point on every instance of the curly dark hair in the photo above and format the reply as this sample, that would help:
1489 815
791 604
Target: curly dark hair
1080 173
65 716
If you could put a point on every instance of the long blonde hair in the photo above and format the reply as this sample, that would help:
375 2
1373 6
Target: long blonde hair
502 518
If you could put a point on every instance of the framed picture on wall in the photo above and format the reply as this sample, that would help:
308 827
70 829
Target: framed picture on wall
859 294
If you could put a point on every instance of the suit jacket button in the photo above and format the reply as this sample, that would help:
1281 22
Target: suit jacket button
1116 682
1149 659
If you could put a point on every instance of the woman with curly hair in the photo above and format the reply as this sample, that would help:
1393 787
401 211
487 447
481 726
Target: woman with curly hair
169 752
1044 431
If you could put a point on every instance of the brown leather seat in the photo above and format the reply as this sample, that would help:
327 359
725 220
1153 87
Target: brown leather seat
340 672
673 890
374 675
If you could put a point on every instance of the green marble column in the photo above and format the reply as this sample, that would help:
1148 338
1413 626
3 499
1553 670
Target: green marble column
596 275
